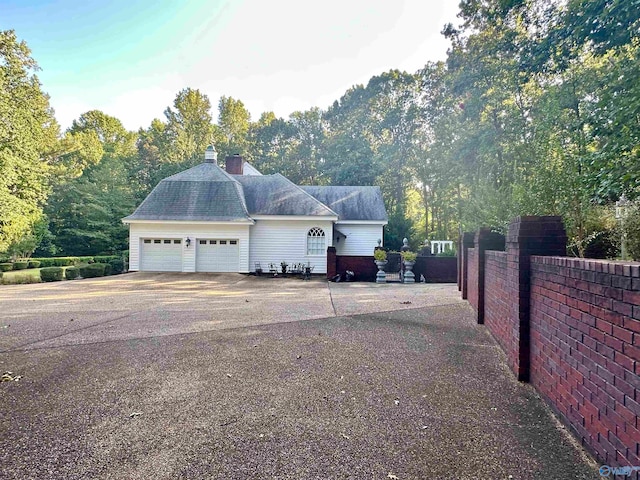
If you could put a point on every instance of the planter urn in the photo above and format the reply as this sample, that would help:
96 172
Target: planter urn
409 276
381 276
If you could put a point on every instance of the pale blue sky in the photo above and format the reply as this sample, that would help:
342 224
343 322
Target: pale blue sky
129 58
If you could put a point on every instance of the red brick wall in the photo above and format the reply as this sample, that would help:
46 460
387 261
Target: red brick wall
472 272
363 266
436 269
585 350
499 301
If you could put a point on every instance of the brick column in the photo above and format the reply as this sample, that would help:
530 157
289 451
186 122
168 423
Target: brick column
528 236
484 240
467 243
332 262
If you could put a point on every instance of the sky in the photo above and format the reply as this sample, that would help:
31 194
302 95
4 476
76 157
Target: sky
129 58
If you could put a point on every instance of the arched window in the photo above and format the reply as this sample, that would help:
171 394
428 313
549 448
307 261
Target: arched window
315 241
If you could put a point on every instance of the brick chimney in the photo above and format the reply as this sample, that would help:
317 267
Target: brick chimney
234 164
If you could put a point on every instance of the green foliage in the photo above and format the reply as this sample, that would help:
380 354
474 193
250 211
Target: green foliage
107 269
46 262
631 228
34 264
51 274
105 258
71 273
20 265
92 270
409 256
379 255
28 134
6 267
117 265
86 259
65 261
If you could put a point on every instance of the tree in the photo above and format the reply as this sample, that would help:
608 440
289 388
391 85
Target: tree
28 133
232 130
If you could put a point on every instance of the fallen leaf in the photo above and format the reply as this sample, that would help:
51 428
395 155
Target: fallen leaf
345 436
135 414
229 375
396 401
392 476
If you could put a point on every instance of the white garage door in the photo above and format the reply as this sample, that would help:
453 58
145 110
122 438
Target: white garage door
217 255
161 255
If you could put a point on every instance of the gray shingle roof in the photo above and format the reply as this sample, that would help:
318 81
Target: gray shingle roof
276 195
352 203
202 193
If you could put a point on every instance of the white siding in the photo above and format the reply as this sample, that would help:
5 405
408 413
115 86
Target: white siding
184 231
273 241
361 239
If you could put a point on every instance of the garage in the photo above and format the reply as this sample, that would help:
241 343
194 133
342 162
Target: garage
161 255
217 255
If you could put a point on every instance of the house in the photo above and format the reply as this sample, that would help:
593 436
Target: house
209 219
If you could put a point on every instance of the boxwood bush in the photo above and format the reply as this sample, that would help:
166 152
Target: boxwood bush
107 269
51 274
20 265
104 258
34 264
86 259
71 273
66 261
6 267
117 265
46 262
92 270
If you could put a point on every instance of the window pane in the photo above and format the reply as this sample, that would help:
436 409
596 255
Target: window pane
156 241
202 242
178 242
167 241
233 242
223 242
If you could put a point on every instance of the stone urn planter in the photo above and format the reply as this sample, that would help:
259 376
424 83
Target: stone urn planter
409 260
381 276
409 276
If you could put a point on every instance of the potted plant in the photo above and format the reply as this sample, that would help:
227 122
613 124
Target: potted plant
380 257
409 260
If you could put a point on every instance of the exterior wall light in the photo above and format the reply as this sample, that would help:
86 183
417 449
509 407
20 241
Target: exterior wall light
188 242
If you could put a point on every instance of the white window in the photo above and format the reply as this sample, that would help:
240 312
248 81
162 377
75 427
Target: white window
315 241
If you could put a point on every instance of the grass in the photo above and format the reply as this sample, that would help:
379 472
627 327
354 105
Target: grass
14 277
19 277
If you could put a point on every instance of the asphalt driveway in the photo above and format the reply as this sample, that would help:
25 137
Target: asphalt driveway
205 376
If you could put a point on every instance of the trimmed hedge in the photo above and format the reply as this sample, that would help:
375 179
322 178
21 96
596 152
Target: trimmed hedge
92 270
51 274
1 273
65 261
107 269
45 262
34 264
86 259
117 265
71 273
20 265
105 258
6 267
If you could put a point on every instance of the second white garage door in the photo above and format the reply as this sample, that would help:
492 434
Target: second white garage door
217 255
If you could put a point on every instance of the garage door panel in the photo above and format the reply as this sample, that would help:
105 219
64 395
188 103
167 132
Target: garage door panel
161 255
217 255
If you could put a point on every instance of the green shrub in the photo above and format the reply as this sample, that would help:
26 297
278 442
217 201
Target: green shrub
86 259
51 274
47 262
71 273
65 261
409 256
117 265
105 258
380 255
20 265
1 273
448 253
6 267
107 269
631 227
92 270
34 264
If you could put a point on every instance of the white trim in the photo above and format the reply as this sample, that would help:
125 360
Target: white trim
362 222
190 222
312 218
